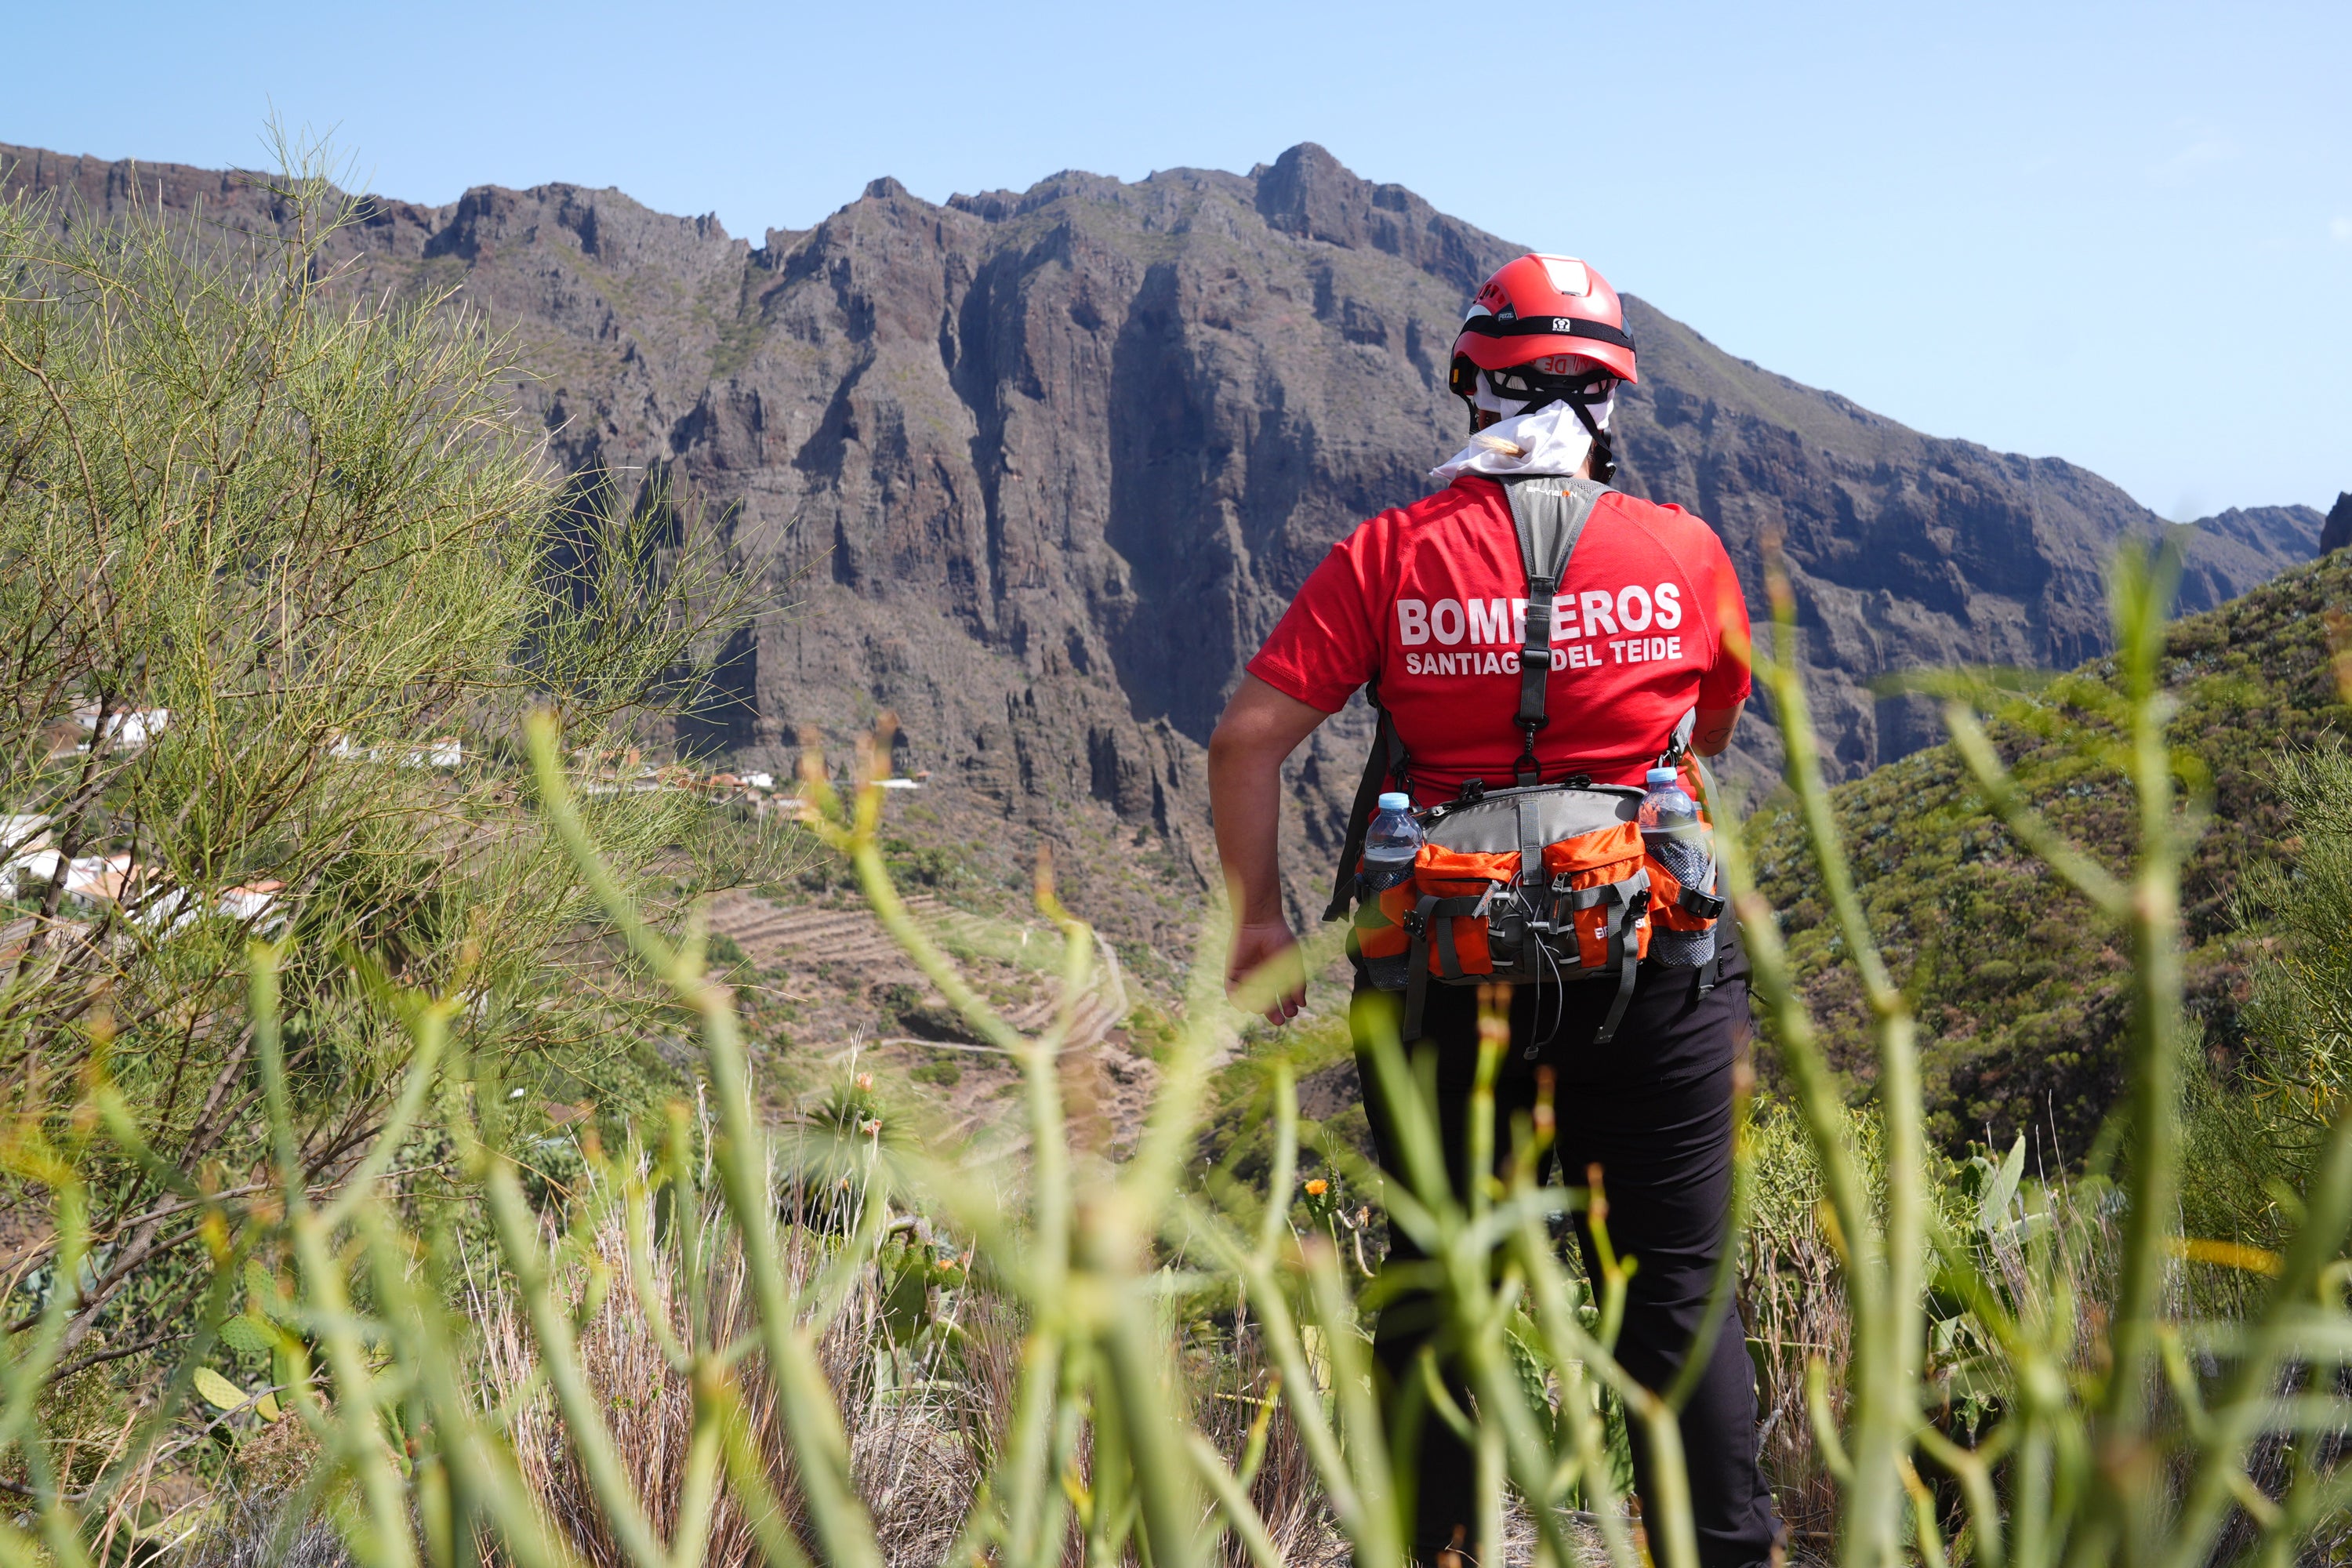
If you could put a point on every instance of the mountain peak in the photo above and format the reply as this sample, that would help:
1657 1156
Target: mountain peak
1309 195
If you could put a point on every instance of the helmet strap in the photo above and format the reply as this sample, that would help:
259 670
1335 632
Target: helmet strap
1602 466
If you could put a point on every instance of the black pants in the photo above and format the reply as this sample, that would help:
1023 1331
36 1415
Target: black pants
1652 1109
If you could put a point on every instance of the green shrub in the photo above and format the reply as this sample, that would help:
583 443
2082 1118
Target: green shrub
2298 906
270 553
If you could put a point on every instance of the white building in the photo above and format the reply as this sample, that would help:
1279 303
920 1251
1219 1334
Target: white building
441 752
129 729
89 879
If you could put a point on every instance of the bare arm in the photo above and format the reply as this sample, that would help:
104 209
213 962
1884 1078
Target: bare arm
1259 729
1711 731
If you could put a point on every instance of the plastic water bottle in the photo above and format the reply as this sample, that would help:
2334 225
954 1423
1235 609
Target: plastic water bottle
1391 842
1676 839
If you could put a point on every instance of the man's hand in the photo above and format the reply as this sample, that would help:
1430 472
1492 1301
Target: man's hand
1269 944
1261 726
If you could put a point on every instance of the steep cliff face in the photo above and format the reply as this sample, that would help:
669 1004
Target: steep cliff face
1034 471
2336 532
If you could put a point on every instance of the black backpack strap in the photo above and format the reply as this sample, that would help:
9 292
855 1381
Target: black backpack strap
1531 862
1709 971
1416 983
1386 759
1625 950
1550 514
1431 919
1678 744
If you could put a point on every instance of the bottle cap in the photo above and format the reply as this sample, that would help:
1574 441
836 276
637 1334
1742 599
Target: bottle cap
1396 800
1662 777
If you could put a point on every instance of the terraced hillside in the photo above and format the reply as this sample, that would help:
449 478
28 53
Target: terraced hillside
830 993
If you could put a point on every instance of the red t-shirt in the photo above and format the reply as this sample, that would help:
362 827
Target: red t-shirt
1430 600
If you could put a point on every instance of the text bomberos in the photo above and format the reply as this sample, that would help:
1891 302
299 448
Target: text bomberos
1483 636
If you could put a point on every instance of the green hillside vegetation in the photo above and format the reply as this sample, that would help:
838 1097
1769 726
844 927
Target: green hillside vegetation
2022 992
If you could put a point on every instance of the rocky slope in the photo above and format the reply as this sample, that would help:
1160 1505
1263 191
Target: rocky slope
1034 471
2021 989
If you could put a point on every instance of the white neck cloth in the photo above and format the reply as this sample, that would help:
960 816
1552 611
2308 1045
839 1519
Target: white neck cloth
1551 440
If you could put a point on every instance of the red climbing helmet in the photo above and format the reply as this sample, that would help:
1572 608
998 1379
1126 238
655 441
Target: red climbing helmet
1540 314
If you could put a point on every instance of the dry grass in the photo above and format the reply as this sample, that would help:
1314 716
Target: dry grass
918 1439
1228 1384
926 1415
924 1418
246 1536
1796 1313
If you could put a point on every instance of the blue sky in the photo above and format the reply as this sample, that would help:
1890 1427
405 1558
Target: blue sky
2116 234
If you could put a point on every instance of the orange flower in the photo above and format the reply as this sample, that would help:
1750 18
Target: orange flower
1317 1187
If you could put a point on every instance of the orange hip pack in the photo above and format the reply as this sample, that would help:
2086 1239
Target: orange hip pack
1545 884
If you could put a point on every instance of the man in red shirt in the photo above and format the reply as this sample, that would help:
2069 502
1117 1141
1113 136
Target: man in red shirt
1427 605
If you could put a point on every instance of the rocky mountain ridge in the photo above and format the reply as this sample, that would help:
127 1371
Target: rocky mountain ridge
1034 471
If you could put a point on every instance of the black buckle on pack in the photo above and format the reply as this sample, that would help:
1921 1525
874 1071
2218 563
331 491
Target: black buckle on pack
1542 909
1526 769
1413 921
1705 906
1473 791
